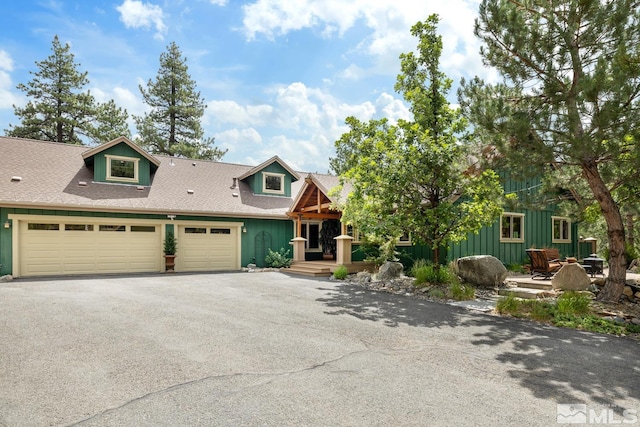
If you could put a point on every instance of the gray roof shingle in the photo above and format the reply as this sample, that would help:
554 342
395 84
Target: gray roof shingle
51 174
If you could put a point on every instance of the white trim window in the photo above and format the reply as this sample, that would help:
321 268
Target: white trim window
353 232
404 240
561 227
272 183
512 227
123 169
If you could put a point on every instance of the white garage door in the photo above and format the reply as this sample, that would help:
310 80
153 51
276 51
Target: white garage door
207 248
50 248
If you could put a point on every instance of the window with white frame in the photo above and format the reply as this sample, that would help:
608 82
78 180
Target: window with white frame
561 229
272 183
122 168
353 232
512 227
404 240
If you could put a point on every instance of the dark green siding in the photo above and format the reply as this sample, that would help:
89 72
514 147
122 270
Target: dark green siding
5 244
281 231
122 149
255 181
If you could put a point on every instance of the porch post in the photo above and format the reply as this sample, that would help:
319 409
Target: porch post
343 252
298 248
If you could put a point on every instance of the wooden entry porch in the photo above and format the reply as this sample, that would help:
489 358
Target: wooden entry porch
324 268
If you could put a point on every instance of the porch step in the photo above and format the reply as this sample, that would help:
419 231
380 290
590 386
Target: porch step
530 283
524 293
307 269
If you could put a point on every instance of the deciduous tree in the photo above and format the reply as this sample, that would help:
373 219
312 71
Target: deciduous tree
570 98
173 125
415 177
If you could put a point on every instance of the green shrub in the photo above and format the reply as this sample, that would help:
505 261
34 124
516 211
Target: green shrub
425 272
461 292
573 303
542 311
508 305
278 259
341 272
516 268
437 293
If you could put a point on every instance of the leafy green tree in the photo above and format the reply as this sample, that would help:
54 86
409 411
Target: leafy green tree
60 110
415 177
173 126
569 99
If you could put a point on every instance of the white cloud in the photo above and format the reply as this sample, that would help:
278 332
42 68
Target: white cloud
299 123
7 97
136 14
277 17
231 112
219 2
392 108
6 62
231 139
389 22
352 72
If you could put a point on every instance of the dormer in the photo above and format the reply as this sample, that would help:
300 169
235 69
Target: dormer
121 161
271 178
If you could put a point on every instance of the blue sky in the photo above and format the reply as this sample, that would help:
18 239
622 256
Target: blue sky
278 76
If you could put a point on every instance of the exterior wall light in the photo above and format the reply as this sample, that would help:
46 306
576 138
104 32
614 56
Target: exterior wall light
7 224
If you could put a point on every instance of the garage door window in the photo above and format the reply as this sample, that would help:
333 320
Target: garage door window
220 231
113 228
78 227
42 226
143 229
195 230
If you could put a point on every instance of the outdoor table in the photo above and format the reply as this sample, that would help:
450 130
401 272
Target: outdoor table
593 265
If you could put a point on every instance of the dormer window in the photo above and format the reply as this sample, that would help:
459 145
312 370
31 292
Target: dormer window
124 169
273 183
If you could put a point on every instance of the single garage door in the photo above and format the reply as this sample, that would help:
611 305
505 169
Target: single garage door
207 248
51 248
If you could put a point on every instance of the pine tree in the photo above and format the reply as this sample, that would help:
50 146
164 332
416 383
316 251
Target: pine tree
173 126
60 110
570 100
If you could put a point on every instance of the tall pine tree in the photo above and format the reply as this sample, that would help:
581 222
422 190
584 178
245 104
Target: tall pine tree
570 99
173 125
60 110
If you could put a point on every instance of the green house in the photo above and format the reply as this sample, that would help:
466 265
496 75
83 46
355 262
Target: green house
68 209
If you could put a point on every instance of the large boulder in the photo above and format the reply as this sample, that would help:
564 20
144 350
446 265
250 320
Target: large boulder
481 270
390 270
571 277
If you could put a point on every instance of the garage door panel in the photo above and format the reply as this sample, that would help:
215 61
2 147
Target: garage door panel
214 249
84 249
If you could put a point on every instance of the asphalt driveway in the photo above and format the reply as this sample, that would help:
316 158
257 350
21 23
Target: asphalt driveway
273 350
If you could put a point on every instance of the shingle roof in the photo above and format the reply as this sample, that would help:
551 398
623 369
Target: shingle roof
51 174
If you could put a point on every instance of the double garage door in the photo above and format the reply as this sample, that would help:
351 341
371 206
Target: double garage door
49 247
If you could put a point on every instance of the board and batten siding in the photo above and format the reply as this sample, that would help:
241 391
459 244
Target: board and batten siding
280 230
100 163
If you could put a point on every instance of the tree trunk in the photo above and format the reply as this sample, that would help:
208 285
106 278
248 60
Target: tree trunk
614 284
630 231
436 257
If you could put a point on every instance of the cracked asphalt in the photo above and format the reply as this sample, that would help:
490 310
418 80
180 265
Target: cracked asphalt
269 349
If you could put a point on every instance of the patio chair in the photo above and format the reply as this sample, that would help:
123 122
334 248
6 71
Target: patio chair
540 264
